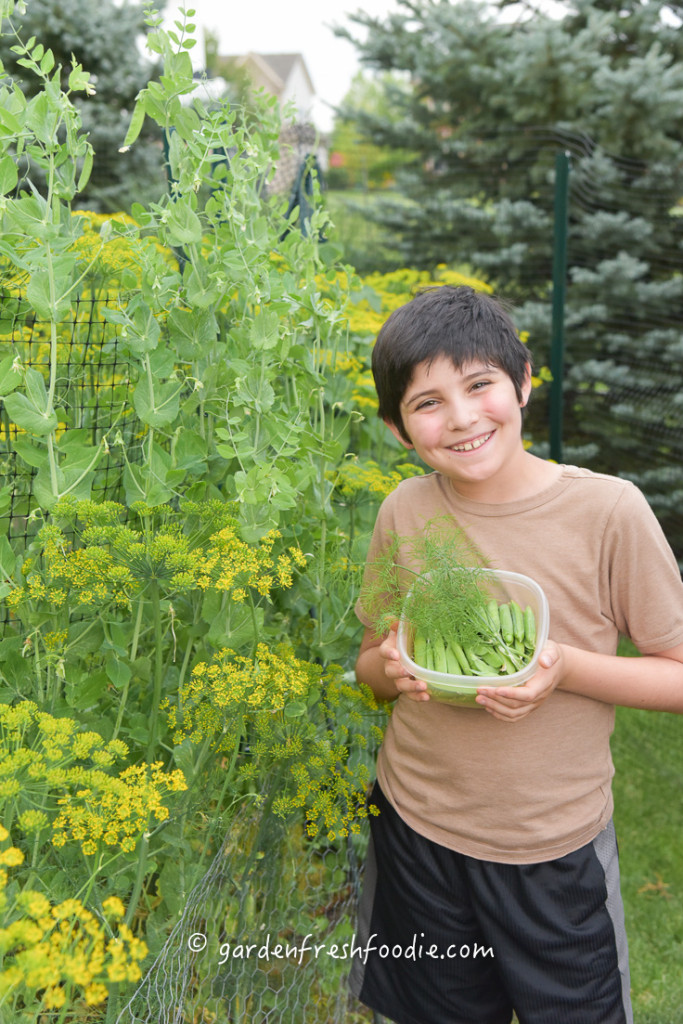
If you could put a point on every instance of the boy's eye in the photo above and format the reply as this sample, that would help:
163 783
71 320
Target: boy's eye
427 403
478 384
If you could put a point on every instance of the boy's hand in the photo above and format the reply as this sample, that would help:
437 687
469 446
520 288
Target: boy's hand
511 703
404 682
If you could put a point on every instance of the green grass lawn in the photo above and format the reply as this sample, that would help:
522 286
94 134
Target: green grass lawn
648 790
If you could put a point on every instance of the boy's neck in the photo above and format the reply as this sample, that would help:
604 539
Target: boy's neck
529 476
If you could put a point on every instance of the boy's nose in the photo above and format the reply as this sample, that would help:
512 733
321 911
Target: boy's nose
461 415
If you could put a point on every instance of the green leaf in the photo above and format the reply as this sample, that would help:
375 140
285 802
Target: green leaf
142 332
159 408
30 453
183 757
40 294
77 483
24 413
118 672
6 493
9 378
191 332
84 692
186 123
42 487
36 390
183 225
9 122
8 559
47 63
138 730
79 79
9 175
201 291
295 709
162 363
140 485
190 451
265 329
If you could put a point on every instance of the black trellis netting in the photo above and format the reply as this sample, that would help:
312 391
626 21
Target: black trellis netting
92 399
488 203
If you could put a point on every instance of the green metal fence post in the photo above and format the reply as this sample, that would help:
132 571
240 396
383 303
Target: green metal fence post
559 286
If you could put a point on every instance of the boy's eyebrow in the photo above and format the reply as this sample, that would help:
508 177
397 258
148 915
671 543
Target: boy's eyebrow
435 387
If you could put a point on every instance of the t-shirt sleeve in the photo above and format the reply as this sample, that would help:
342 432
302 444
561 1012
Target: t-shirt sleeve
643 577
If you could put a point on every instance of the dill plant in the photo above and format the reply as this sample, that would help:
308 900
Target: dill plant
434 580
459 618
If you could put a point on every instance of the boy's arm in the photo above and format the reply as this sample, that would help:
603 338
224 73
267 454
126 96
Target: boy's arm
653 682
379 667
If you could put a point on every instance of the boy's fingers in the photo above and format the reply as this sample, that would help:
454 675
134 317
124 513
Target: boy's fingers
549 656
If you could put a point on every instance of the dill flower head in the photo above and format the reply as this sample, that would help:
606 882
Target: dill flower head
86 796
354 476
230 686
61 950
115 810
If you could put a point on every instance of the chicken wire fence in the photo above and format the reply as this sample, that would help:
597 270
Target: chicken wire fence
266 936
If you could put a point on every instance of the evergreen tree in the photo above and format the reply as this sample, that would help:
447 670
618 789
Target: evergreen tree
494 96
103 36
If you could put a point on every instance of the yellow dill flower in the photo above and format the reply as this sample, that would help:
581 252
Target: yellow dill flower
113 907
95 993
11 857
298 557
102 758
33 820
354 476
55 640
54 998
36 904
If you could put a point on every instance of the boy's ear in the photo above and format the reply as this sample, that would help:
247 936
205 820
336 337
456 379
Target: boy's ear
526 386
397 434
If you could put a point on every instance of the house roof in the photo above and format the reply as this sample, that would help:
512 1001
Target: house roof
276 66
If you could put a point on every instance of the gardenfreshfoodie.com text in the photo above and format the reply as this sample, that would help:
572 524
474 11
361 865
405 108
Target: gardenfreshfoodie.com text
307 948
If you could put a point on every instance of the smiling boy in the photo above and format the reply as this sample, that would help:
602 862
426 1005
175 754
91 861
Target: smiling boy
495 829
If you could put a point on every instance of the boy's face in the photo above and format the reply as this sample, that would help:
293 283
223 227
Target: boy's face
466 424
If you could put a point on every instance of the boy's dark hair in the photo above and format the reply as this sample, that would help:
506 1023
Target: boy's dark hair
457 322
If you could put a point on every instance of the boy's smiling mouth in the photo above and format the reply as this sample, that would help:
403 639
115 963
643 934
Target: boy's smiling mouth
468 446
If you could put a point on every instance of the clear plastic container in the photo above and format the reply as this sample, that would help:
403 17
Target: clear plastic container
462 690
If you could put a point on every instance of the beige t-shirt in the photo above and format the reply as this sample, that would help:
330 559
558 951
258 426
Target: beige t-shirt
539 788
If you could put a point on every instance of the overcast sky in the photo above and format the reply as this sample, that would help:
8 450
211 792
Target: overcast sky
289 26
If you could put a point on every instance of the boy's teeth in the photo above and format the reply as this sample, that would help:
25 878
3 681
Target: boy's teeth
477 443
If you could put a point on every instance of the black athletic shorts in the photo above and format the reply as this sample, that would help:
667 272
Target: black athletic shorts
443 938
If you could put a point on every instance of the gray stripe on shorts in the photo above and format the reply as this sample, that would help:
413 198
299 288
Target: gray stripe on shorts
365 904
605 846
